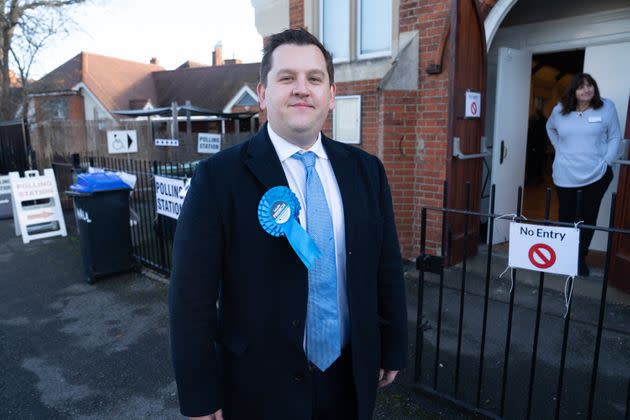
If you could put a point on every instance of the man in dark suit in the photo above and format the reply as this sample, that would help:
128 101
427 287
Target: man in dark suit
267 350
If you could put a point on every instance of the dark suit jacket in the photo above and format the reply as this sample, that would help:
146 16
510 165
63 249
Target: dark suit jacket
248 359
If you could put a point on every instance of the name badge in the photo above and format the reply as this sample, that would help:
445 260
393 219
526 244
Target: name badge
595 119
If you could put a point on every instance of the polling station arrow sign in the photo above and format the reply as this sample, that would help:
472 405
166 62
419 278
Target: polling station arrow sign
550 249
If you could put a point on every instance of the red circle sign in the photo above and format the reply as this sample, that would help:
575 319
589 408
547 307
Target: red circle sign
542 255
473 108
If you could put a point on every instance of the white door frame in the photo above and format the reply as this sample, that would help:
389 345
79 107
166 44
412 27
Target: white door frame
580 32
606 27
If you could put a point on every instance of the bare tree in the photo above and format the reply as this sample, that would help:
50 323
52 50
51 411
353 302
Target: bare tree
25 26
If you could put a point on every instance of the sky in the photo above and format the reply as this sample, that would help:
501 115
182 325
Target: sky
172 31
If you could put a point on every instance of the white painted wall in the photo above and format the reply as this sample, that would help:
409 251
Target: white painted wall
92 108
271 16
609 65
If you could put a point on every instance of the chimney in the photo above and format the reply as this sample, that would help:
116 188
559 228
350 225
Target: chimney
155 61
217 55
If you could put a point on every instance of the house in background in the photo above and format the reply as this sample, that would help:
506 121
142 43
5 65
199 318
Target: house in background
89 87
97 92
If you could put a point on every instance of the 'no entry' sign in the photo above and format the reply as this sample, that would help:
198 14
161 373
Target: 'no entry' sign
542 255
544 248
473 105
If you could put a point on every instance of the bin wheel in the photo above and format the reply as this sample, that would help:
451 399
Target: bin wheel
89 279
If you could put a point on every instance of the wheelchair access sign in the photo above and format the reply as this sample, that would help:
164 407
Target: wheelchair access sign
550 249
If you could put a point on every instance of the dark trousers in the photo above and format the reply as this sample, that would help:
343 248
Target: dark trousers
588 208
334 395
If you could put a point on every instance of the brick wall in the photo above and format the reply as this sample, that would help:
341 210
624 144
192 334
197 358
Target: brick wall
408 130
368 89
296 13
432 125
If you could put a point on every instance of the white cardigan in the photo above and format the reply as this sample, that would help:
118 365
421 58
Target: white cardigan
585 143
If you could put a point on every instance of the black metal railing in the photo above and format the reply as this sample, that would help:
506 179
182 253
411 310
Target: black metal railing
151 233
530 352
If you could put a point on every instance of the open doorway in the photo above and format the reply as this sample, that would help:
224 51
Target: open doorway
550 77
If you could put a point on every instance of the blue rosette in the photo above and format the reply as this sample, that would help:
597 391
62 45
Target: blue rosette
278 212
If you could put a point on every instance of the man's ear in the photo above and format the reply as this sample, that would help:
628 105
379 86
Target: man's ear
333 92
260 89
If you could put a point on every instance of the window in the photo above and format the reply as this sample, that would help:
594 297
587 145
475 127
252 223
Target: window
347 119
374 28
356 29
333 29
56 108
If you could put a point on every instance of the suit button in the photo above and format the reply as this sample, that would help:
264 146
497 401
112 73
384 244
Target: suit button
298 377
296 323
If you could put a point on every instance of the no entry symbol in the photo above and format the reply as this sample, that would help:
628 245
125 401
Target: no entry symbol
473 108
542 255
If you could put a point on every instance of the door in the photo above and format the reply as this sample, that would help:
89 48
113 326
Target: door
13 147
509 144
467 73
620 251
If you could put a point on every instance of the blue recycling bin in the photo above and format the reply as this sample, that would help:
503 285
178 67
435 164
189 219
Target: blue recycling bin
101 208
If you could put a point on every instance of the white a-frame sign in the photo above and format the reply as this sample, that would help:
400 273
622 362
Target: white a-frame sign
36 207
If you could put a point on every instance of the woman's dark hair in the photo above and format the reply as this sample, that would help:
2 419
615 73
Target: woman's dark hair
569 100
295 37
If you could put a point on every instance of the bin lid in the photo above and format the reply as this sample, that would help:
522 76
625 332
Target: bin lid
98 181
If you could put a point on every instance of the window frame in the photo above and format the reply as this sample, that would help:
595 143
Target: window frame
357 27
336 60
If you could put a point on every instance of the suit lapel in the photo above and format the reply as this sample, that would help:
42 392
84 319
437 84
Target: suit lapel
262 160
346 173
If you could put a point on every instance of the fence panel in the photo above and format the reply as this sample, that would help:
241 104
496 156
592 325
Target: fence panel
13 147
517 343
151 233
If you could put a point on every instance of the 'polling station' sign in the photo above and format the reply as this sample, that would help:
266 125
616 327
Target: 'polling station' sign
550 249
168 200
208 143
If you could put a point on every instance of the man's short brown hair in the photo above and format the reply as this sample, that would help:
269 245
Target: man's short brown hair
295 37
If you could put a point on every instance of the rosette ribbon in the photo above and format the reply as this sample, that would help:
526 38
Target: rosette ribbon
278 212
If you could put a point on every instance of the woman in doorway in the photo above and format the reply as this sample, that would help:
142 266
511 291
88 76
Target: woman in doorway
584 130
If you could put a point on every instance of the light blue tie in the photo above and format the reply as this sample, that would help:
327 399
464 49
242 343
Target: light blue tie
323 336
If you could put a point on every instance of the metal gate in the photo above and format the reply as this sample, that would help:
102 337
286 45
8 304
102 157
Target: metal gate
14 146
520 346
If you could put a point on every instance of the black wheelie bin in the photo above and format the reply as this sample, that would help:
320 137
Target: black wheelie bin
101 208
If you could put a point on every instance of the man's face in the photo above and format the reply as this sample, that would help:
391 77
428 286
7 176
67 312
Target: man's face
298 95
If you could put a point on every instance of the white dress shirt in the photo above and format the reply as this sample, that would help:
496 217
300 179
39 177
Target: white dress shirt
296 176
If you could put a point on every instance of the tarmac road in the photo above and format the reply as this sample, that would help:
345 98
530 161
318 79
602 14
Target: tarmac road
73 350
